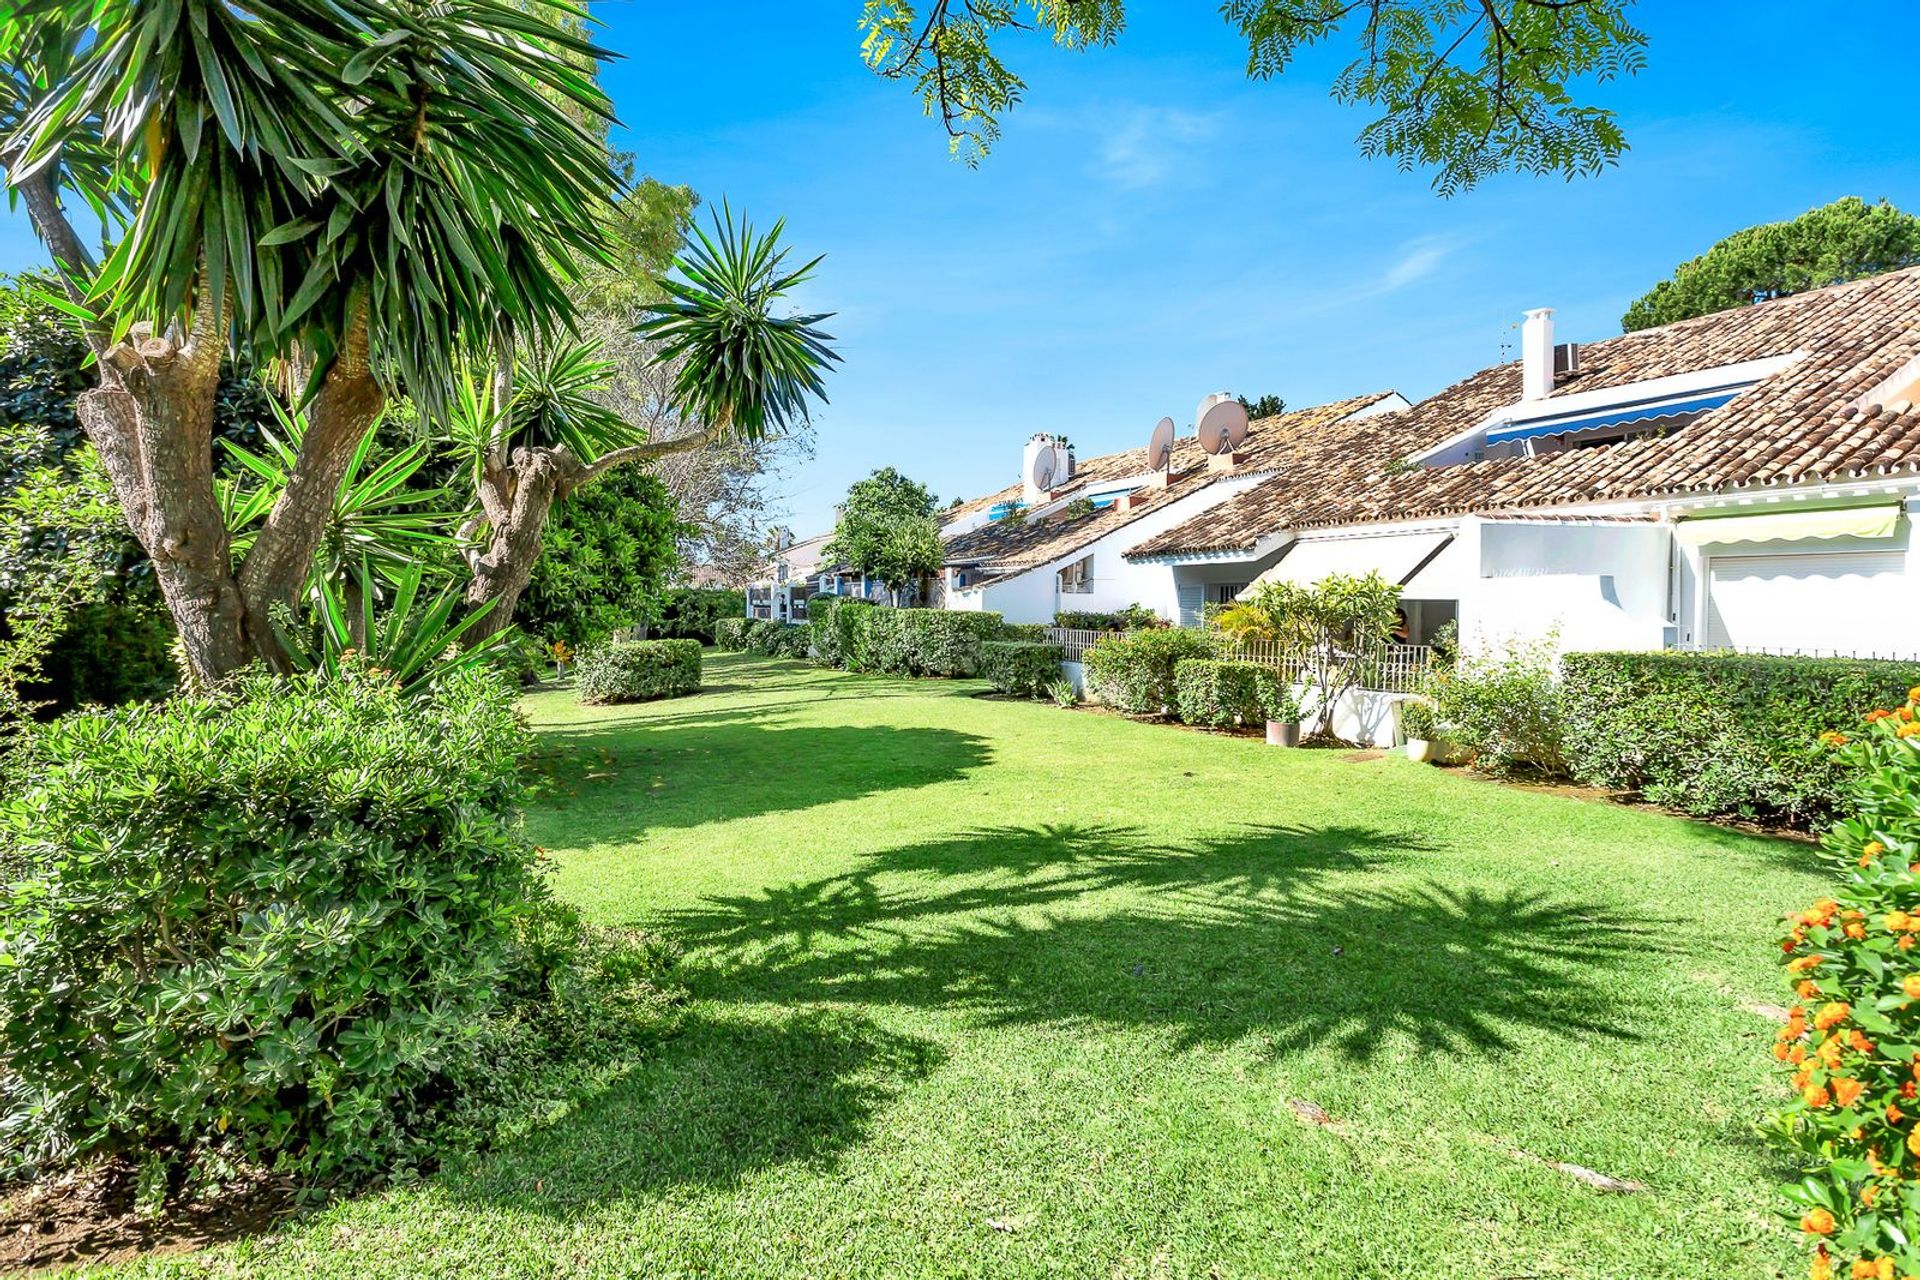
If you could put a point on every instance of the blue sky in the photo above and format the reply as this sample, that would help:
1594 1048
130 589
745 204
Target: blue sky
1153 226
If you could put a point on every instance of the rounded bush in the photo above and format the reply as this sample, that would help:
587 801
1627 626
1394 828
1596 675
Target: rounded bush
264 921
1134 671
1221 694
639 670
731 633
1024 668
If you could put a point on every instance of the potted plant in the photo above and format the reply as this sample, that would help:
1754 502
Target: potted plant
562 655
1421 731
1283 715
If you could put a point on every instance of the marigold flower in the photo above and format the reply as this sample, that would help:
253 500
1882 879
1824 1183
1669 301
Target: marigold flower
1905 713
1822 1266
1817 1222
1897 921
1905 943
1856 930
1830 1053
1835 1012
1797 1054
1847 1090
1817 1097
1802 1078
1862 1269
1805 964
1894 1114
1832 738
1910 1090
1780 1050
1859 1041
1807 989
1911 985
1907 730
1868 1194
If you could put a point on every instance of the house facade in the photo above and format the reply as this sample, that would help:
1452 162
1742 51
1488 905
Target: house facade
1744 480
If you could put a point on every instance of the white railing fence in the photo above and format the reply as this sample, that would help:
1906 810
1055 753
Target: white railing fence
1392 668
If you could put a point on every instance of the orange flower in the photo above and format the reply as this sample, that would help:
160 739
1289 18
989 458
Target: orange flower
1859 1041
1835 1012
1868 1194
1911 985
1856 930
1833 738
1905 943
1862 1270
1822 1266
1807 989
1909 729
1818 1222
1897 921
1780 1050
1802 1078
1816 1097
1910 1090
1894 1114
1913 1142
1797 1054
1905 713
1805 964
1847 1090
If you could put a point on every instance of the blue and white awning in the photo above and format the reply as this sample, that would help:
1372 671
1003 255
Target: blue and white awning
1614 416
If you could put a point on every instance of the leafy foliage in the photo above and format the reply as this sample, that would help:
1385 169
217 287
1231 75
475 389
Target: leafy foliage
602 557
1722 734
836 631
1853 1034
1334 627
1467 90
771 638
1127 619
921 642
416 639
1134 671
1024 668
639 670
1505 705
738 366
1417 720
886 529
1266 406
1221 693
265 922
730 634
692 613
1841 241
436 168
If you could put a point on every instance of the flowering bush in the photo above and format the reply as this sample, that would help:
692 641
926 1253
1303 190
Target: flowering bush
1852 1039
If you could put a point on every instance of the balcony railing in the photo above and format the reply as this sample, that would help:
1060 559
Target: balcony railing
1393 668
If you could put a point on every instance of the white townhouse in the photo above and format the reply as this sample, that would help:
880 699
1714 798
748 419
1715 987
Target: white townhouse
1742 480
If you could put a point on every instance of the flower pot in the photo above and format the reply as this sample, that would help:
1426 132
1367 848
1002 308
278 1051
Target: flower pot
560 671
1283 733
1421 751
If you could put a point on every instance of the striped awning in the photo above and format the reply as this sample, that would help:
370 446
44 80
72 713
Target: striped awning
1617 416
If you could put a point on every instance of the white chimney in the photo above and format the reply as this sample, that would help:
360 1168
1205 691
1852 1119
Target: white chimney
1536 354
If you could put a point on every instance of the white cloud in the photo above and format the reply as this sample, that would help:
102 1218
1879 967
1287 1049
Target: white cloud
1418 259
1144 146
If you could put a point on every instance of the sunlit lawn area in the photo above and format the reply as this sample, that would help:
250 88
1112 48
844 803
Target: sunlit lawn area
989 988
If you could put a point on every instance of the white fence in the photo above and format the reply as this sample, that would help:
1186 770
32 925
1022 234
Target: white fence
1393 668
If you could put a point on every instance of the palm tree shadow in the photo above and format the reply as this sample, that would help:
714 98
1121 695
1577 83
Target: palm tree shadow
1214 941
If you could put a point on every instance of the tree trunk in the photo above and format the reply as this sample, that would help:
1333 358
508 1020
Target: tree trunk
517 500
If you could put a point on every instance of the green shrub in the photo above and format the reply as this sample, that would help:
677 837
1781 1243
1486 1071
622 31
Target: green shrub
1721 734
925 642
266 922
1854 968
1133 671
639 670
1505 706
694 613
1063 694
777 639
1133 617
1022 667
1031 631
731 634
1222 694
1417 720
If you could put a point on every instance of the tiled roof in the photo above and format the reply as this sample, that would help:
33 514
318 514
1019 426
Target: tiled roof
1799 425
1014 544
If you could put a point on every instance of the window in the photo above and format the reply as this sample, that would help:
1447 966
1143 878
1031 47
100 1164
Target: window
1225 592
1077 578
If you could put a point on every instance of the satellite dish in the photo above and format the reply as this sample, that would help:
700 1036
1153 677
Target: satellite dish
1160 446
1041 471
1221 422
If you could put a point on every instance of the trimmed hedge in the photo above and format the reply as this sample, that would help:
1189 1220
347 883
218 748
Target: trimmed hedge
693 613
267 921
731 634
1132 617
1023 667
1030 631
1222 693
639 670
774 639
923 642
1133 671
1720 734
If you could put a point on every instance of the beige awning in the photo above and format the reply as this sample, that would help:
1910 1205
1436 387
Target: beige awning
1394 556
1878 521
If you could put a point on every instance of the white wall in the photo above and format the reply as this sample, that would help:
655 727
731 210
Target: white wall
1596 586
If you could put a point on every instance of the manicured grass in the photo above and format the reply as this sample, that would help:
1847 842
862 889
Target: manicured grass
988 988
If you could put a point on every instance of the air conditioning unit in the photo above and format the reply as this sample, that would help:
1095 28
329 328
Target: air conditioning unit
1566 359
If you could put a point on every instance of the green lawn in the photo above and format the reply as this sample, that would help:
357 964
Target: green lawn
986 988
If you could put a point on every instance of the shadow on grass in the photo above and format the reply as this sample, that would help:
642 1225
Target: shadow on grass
724 766
727 1097
1212 941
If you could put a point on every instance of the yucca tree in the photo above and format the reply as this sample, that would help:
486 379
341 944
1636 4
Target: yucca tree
741 370
350 190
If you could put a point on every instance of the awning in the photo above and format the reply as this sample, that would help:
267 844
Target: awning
1878 521
1394 556
1619 416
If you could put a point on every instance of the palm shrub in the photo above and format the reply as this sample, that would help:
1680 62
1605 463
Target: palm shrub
1025 668
1852 1036
639 670
265 922
1134 671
